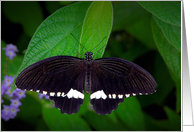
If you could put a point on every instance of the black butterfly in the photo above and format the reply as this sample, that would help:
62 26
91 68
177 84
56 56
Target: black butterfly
63 78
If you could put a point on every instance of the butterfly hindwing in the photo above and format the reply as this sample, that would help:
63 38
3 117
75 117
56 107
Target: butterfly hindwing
59 77
115 79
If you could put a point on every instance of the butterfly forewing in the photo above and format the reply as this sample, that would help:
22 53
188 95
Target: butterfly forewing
59 77
115 79
110 80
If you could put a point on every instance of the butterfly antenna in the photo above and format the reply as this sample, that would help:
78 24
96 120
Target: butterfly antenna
98 51
98 44
79 43
80 55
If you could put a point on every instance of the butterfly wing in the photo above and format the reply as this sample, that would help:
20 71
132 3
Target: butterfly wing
59 77
114 79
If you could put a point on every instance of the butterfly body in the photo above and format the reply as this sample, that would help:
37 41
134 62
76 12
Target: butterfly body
109 80
88 68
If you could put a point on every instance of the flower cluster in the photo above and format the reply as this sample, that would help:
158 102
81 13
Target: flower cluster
10 111
10 50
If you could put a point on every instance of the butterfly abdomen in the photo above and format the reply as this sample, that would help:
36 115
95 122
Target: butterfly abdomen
88 82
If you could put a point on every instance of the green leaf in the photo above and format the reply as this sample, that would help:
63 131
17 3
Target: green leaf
142 31
174 119
125 49
41 125
173 123
131 114
171 32
13 66
171 55
63 122
150 123
127 13
28 14
53 37
135 20
168 11
97 25
30 109
104 122
136 50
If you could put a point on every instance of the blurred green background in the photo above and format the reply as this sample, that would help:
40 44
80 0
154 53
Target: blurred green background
143 32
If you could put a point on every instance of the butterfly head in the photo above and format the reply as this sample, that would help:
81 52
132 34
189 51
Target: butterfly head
88 56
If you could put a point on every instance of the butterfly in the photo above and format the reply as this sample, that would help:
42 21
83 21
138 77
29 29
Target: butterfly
63 78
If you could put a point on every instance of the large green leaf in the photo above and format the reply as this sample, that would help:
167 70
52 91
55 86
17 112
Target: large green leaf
173 123
53 36
41 125
171 32
104 122
63 122
97 25
27 13
30 109
131 114
168 11
170 54
135 20
174 119
150 123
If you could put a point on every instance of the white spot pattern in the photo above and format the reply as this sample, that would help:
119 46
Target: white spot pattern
99 94
44 92
38 91
58 94
120 96
52 93
114 96
74 94
63 94
127 95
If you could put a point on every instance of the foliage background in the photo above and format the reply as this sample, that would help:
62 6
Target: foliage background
146 33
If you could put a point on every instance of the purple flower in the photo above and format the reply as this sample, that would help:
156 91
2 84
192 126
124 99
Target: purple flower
10 54
3 88
8 80
14 111
17 93
10 50
11 47
6 113
8 91
9 112
15 103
